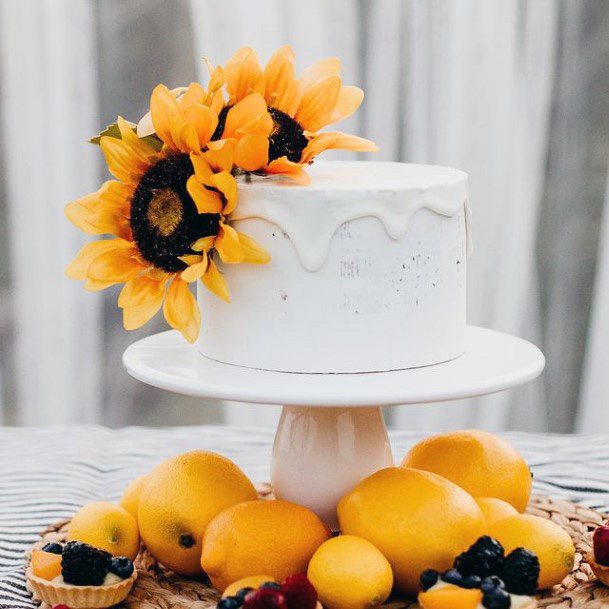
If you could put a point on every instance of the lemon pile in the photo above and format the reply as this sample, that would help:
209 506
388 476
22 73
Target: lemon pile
199 513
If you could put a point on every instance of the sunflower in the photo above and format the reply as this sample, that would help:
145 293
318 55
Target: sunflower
247 122
299 107
158 229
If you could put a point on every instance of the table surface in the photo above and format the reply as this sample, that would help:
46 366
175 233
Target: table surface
47 474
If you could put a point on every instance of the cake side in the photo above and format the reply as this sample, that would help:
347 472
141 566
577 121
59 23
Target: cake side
362 277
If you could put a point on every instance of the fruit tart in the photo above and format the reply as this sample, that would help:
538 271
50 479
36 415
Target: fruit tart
79 576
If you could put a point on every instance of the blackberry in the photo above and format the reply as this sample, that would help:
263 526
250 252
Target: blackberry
84 565
497 598
489 583
122 567
471 581
520 572
230 602
53 548
428 578
483 558
452 576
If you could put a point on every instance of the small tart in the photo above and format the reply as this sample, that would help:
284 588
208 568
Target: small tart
79 597
601 571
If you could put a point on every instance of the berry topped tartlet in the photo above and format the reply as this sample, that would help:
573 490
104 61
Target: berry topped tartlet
483 578
79 576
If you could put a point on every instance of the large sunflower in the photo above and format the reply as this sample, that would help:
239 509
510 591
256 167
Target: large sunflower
159 229
299 107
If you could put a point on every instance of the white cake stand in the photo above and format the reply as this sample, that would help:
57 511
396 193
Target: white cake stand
331 433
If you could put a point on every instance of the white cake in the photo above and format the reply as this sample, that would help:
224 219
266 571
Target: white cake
367 272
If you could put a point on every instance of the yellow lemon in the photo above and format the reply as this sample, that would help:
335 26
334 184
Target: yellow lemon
348 572
480 462
495 509
253 581
417 519
178 499
275 537
107 526
551 543
130 500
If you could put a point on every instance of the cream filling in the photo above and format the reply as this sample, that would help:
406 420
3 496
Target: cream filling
517 601
109 580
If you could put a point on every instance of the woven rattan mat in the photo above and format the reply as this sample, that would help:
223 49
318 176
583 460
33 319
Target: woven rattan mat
157 588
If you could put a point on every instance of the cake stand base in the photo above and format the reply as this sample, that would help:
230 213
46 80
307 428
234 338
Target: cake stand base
331 434
320 454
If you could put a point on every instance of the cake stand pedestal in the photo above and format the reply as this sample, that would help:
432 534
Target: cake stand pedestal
331 433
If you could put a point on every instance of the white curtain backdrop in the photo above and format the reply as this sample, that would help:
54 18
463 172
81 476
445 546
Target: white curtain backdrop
514 92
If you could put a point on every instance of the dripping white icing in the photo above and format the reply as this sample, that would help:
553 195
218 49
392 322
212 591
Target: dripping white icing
344 191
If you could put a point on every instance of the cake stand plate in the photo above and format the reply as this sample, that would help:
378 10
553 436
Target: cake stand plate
331 433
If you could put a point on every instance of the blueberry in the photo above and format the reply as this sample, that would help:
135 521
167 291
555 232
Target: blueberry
490 583
497 598
471 581
452 576
122 567
230 602
53 548
241 594
428 578
271 585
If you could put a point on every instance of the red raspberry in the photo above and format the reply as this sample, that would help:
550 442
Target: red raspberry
601 545
299 592
265 598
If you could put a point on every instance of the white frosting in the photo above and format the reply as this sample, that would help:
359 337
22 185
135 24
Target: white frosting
344 191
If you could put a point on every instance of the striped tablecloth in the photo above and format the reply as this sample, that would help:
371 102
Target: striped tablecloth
47 474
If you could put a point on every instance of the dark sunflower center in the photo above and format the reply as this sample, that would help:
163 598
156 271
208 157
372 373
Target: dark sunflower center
164 218
287 139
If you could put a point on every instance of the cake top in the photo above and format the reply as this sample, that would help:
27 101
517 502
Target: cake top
369 176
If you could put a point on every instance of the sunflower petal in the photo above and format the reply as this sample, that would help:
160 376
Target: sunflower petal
194 95
123 163
317 104
118 264
228 246
136 317
248 115
220 154
195 271
145 126
253 252
203 120
79 267
202 168
313 75
215 282
165 113
227 185
181 310
243 75
207 201
204 244
139 147
105 211
336 140
252 152
141 290
349 100
281 86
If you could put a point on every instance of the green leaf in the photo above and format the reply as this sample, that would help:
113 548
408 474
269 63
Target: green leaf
113 131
